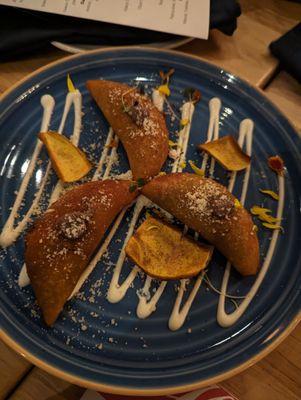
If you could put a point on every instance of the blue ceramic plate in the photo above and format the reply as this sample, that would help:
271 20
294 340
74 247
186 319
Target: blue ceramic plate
105 346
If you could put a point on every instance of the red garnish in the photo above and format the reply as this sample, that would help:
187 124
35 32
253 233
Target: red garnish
196 96
276 164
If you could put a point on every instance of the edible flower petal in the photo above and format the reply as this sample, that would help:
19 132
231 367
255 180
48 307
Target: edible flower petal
164 89
70 85
184 122
237 203
268 218
256 210
172 144
274 195
272 226
195 169
263 214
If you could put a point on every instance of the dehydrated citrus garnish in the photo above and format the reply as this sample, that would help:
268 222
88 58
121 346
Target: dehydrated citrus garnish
163 252
276 164
274 195
227 152
196 169
68 161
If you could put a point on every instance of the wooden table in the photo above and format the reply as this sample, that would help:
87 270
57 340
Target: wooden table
278 376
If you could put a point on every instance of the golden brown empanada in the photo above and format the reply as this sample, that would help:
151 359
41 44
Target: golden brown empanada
137 122
62 241
210 209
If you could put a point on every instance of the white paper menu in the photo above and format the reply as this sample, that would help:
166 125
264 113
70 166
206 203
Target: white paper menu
182 17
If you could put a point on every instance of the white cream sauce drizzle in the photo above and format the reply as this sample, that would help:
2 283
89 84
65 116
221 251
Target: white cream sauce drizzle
182 143
158 99
116 290
224 319
48 104
213 128
179 312
104 155
10 233
75 99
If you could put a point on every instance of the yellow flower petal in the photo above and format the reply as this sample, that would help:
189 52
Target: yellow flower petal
184 122
274 195
70 85
172 144
237 203
268 218
164 89
195 169
183 164
272 226
256 210
264 214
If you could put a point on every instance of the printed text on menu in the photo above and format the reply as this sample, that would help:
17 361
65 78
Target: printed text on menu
182 17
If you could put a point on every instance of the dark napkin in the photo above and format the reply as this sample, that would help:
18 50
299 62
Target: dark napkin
288 50
23 31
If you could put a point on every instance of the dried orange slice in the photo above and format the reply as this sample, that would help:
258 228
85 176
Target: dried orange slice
68 161
163 252
227 152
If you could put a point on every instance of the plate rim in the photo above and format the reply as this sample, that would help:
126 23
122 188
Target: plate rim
125 390
72 48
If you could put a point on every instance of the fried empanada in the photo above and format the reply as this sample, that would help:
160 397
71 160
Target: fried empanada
210 209
137 122
62 241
